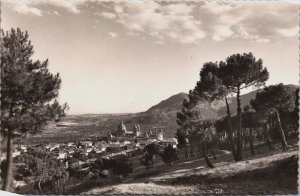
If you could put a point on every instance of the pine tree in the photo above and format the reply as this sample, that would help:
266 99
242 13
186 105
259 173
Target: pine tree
187 119
239 72
28 92
211 88
273 100
202 136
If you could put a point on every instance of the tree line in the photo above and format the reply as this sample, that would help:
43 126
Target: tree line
218 81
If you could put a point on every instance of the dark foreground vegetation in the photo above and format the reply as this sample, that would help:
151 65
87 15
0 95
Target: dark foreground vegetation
279 178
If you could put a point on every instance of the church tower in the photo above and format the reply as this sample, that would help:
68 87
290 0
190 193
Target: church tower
109 136
122 129
160 135
136 130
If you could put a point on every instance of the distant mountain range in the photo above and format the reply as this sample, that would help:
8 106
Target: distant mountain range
171 104
160 116
215 110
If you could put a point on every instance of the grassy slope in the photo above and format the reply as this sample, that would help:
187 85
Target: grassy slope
269 173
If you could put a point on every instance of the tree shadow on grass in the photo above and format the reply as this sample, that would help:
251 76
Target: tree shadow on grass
280 178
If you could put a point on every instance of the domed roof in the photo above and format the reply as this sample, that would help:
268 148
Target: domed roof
122 127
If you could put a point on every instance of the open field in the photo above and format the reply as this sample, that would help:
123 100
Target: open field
269 172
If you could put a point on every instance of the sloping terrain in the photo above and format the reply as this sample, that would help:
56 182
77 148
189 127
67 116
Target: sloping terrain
245 100
171 104
270 173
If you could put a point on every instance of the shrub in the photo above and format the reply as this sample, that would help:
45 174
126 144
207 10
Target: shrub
147 160
169 155
149 154
121 166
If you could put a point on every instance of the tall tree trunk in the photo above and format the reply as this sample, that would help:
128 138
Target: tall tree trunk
64 187
59 187
204 153
55 187
267 136
239 112
281 132
244 143
9 162
230 130
213 152
152 161
186 153
199 150
192 151
251 140
271 123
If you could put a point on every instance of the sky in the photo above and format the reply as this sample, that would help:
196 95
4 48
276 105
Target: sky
123 57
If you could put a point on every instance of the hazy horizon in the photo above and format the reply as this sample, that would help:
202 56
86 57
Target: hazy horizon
124 57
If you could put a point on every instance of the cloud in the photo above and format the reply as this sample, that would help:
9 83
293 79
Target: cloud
56 13
218 7
189 23
222 32
262 40
113 35
244 20
160 42
24 8
69 5
186 22
289 32
108 15
297 2
171 21
118 9
35 8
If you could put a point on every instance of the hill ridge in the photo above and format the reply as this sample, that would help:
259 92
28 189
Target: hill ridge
159 116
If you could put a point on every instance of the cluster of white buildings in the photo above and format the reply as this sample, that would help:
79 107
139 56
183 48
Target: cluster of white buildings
86 152
120 142
123 133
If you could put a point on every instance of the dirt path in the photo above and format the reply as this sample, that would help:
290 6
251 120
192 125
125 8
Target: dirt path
144 188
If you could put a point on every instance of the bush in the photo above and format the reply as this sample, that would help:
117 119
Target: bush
147 160
120 165
122 168
23 171
149 154
169 155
